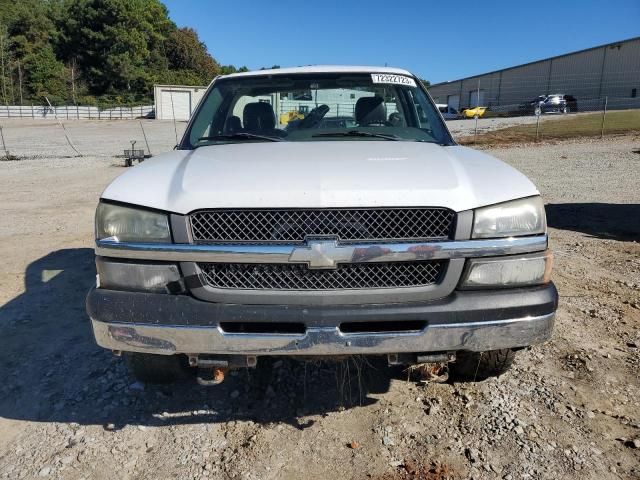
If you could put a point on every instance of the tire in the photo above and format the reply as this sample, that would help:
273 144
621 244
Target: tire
157 369
537 111
477 366
566 109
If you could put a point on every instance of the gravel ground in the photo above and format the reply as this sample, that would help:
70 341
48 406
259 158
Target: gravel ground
569 409
27 139
466 127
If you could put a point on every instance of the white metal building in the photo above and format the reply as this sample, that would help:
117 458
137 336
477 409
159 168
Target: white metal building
176 101
611 70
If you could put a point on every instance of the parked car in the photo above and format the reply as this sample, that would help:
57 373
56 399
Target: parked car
385 238
556 103
448 113
475 112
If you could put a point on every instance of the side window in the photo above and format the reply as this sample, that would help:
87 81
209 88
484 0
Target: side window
202 124
425 113
423 121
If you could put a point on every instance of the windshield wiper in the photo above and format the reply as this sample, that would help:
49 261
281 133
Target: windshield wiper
241 136
358 133
432 141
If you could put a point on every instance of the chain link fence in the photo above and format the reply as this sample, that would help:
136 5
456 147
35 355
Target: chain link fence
76 112
25 139
103 107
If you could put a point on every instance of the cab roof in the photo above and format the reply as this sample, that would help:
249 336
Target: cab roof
321 69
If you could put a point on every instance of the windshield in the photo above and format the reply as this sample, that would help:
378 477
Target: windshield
315 107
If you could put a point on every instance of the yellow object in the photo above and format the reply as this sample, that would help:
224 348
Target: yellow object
285 118
474 112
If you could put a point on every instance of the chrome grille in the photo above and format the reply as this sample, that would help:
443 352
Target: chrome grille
300 277
349 225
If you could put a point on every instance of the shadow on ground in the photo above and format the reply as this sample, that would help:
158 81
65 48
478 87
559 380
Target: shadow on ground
52 371
612 221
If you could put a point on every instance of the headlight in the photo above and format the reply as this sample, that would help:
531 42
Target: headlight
128 224
138 277
518 217
513 271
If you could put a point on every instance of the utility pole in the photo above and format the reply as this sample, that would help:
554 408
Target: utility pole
604 116
73 81
2 74
475 132
20 81
13 98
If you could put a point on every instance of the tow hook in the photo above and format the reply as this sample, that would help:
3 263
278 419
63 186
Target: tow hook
212 369
208 377
428 367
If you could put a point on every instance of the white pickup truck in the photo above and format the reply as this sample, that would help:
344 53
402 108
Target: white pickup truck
320 212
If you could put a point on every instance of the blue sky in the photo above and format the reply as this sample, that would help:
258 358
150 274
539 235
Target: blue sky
436 40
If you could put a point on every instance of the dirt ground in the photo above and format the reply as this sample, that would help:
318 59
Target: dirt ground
569 409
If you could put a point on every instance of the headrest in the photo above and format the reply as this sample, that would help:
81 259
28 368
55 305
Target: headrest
370 110
233 124
258 116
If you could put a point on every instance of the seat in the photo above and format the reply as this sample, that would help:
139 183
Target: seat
371 110
258 116
233 124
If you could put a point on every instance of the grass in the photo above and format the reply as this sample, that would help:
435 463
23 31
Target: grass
572 126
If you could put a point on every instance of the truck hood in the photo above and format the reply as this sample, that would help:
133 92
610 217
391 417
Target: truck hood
320 174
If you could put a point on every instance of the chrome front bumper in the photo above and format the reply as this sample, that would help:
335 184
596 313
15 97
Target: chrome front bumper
321 341
472 321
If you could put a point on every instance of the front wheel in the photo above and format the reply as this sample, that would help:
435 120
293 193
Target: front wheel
476 366
157 369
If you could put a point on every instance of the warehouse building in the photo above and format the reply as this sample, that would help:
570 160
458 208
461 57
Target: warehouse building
176 101
609 71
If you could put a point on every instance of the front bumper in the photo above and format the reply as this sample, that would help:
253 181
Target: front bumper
471 321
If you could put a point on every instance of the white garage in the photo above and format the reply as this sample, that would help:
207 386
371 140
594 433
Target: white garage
176 101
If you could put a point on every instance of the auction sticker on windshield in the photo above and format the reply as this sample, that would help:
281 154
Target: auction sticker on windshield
393 79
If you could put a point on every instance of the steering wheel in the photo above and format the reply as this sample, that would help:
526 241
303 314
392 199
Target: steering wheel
395 120
314 117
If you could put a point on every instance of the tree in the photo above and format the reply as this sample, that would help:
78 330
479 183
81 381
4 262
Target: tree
46 74
85 49
186 53
229 69
7 11
32 32
119 44
5 78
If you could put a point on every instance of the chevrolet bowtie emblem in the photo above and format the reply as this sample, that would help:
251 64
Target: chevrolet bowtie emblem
323 253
